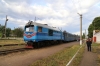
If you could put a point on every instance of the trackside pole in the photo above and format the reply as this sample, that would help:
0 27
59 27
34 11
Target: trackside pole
80 42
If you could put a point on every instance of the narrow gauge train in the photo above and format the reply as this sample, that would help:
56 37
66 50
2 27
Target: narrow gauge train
36 34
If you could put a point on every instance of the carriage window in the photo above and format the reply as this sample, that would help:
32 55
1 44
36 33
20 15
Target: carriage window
39 29
29 28
50 32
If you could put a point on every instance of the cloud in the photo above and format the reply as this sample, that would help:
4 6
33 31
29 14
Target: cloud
53 22
59 13
19 22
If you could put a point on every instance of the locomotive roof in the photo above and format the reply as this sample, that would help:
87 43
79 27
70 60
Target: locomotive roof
41 25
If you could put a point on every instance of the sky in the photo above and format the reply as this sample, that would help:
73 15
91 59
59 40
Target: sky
62 14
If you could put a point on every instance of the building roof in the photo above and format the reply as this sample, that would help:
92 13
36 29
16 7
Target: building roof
96 32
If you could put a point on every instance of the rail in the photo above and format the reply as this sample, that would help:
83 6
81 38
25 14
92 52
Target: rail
10 45
5 52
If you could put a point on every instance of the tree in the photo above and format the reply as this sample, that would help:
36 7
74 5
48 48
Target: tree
18 32
0 33
2 29
96 23
83 36
90 31
94 26
8 32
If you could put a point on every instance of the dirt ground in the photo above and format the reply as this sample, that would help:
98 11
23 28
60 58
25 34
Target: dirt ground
89 58
28 57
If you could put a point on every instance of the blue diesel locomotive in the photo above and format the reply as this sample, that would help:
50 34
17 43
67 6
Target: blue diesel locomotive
36 34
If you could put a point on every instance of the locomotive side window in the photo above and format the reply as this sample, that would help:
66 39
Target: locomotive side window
50 32
29 28
39 29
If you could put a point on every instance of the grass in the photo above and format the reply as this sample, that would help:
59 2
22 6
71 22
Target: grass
96 49
11 42
78 58
61 58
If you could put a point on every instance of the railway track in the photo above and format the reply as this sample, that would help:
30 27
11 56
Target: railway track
10 44
5 52
12 50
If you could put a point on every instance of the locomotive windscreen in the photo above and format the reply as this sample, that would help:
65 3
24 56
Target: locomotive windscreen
29 28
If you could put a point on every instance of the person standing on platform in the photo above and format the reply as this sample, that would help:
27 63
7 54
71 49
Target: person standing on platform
89 42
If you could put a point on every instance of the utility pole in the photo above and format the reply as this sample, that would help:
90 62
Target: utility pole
85 34
80 28
5 25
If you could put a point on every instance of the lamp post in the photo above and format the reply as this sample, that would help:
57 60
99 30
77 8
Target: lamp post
5 25
80 28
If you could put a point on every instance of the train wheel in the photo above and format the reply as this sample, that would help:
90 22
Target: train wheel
34 45
38 44
43 44
48 43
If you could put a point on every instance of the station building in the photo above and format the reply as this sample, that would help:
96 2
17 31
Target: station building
96 36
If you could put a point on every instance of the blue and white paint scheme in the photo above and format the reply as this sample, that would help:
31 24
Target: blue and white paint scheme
36 32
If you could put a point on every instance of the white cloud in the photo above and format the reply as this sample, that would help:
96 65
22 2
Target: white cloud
17 21
53 22
59 13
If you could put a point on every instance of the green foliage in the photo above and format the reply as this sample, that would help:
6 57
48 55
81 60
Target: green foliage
96 23
77 60
2 29
94 26
83 35
0 34
90 30
18 32
59 59
8 32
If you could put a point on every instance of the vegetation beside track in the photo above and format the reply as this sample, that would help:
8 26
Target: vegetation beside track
96 49
61 58
13 41
78 58
9 44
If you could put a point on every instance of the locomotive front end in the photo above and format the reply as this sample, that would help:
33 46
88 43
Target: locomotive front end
29 34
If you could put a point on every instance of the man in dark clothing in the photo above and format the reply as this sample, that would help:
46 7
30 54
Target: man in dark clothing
89 42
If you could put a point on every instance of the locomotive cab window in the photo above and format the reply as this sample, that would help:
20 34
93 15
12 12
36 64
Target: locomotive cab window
39 29
29 28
